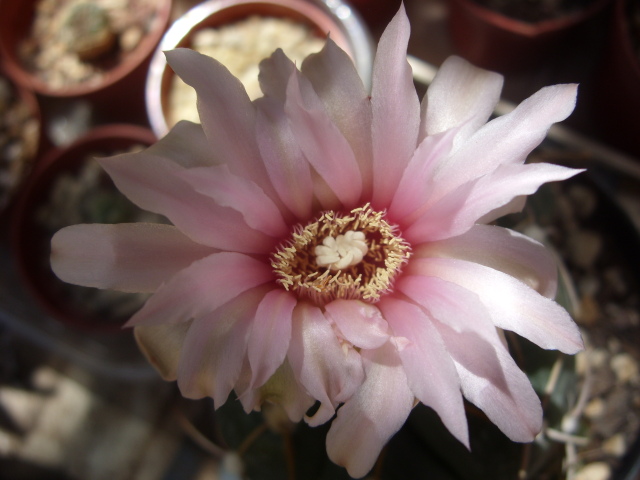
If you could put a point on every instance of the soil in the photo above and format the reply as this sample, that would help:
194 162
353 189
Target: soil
597 243
19 134
535 10
74 42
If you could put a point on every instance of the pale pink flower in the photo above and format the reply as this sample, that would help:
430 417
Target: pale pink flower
330 244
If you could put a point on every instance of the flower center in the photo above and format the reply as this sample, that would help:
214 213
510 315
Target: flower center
351 256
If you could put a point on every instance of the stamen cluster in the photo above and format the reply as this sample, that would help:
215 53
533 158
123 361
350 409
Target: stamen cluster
309 264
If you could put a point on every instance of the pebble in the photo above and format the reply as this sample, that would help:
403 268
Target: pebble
595 408
584 247
130 38
625 367
19 137
594 471
615 445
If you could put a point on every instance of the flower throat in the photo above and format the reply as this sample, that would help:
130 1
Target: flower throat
352 256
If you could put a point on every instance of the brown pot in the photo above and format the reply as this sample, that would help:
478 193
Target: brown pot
617 94
494 41
30 237
345 27
121 88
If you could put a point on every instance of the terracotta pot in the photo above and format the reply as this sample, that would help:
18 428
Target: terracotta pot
617 93
377 13
30 237
33 138
494 41
345 27
122 85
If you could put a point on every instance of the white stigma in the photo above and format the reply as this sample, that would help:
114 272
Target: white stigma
341 252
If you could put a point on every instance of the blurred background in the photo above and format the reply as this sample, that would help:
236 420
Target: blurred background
81 79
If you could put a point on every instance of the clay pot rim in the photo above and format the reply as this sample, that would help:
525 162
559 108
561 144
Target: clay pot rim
130 62
22 225
535 29
351 34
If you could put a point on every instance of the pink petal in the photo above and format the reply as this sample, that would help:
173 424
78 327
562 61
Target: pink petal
508 182
329 373
441 219
507 139
161 345
360 323
377 410
134 257
270 335
514 206
460 94
449 303
396 110
416 183
154 184
514 407
275 72
286 165
226 113
336 81
481 196
241 194
186 145
512 304
501 249
202 287
430 372
323 144
462 312
215 347
487 374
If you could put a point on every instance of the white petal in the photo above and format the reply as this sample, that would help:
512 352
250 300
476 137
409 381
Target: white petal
241 194
186 145
512 304
360 323
368 420
329 373
214 349
502 249
430 372
337 83
270 335
513 405
226 113
507 139
202 287
396 110
136 257
154 184
323 144
286 165
460 94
